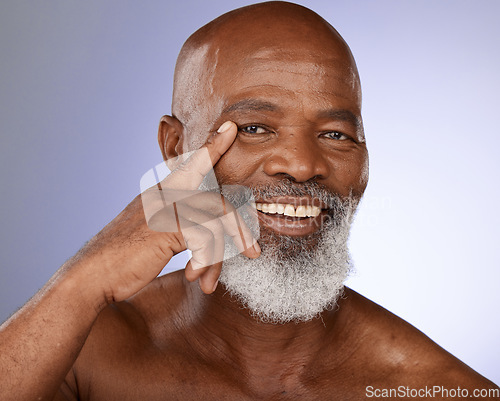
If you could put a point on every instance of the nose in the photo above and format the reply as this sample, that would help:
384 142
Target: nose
297 156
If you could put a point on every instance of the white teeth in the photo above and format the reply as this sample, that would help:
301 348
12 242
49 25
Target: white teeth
300 211
273 208
315 211
288 210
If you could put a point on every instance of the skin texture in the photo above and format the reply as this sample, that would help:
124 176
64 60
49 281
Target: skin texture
105 329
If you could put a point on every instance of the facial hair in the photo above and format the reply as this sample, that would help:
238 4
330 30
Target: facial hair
295 278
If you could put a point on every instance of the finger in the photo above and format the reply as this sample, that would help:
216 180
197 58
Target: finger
187 214
161 205
210 278
212 244
170 216
190 273
200 241
191 173
237 229
234 225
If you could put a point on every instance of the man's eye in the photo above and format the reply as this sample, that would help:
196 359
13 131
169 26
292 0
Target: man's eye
253 129
335 135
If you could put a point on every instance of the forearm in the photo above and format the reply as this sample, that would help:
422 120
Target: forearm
40 343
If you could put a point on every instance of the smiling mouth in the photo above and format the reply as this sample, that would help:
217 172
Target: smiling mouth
290 217
288 209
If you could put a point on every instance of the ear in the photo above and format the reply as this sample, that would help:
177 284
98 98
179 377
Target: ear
170 137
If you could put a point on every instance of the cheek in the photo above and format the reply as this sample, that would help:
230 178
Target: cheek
239 165
365 171
235 166
350 172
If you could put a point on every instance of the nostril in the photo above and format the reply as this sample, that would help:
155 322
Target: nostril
289 177
301 163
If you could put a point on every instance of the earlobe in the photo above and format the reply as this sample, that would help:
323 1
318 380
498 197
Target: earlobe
170 137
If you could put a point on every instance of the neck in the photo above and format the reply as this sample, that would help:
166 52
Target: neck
223 329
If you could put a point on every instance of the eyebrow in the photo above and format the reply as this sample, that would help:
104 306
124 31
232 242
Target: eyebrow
247 105
251 105
342 115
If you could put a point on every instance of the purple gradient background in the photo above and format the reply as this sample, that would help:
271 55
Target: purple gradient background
83 85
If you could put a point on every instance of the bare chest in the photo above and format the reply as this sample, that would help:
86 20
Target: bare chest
158 376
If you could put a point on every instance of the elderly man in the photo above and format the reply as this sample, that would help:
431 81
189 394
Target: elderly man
272 96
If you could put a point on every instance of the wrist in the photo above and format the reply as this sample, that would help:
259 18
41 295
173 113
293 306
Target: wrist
81 286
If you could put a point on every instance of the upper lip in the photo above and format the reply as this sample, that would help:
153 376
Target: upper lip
294 201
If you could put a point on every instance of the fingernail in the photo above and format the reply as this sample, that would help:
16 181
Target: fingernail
256 247
224 127
215 286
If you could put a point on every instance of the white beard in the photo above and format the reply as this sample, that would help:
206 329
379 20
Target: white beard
295 278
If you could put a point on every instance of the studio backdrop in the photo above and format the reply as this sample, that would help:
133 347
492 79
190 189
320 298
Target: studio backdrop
84 84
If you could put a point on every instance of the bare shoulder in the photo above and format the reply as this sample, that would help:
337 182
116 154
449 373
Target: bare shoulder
403 354
156 308
132 342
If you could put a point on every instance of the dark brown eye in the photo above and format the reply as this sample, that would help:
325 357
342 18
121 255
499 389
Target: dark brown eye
339 136
253 129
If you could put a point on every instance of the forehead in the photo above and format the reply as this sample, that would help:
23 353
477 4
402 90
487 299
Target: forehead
290 58
296 76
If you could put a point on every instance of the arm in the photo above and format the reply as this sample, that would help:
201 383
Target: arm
40 343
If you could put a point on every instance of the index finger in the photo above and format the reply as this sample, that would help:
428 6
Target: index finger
190 174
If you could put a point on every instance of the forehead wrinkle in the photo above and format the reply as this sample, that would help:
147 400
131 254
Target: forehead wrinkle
314 79
249 104
306 69
340 114
308 62
275 105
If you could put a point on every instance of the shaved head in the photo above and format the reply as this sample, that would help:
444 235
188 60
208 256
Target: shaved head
277 33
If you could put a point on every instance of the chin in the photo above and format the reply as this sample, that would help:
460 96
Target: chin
295 278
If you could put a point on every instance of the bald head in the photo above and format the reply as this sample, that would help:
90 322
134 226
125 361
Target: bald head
288 81
274 36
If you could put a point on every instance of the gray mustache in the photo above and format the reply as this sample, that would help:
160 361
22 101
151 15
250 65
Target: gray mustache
308 189
239 195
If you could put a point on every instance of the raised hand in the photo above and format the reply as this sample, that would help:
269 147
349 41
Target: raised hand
167 219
